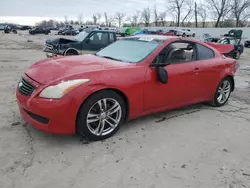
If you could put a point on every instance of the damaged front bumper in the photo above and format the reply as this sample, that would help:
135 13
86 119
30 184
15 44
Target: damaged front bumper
51 52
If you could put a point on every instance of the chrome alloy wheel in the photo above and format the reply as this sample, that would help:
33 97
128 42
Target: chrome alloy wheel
104 116
223 91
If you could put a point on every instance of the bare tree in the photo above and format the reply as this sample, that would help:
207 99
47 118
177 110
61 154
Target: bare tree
240 10
162 17
202 13
189 10
99 16
94 19
134 19
106 19
195 13
119 17
80 19
176 6
220 8
145 15
156 18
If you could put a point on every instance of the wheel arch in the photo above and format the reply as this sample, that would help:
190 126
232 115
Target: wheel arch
71 50
232 81
119 92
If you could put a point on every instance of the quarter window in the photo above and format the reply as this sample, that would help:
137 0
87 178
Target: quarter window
203 52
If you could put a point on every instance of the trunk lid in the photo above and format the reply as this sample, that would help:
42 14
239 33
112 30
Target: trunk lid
222 48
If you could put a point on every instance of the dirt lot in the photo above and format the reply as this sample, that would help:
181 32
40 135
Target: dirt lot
197 146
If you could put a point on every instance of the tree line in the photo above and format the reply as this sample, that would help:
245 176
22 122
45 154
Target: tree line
183 13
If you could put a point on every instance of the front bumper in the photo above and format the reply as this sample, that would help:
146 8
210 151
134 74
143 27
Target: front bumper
50 52
50 55
49 115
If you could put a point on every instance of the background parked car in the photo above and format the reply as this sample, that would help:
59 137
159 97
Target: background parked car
39 30
185 32
70 32
25 27
170 32
143 31
247 43
212 39
129 31
2 26
62 29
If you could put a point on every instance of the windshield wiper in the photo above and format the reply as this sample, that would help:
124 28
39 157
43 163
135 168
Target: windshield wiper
108 57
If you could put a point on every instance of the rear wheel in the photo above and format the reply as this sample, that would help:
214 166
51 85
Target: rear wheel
222 93
101 115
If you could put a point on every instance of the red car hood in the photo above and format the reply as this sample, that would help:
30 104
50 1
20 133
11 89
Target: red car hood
222 48
55 68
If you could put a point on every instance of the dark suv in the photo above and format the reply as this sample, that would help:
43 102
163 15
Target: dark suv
87 41
39 30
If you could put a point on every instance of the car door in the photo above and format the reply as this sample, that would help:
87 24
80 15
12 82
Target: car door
97 41
209 71
181 88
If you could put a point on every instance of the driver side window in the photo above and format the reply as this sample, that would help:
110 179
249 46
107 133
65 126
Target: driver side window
177 52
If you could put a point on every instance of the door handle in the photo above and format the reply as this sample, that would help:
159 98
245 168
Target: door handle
196 69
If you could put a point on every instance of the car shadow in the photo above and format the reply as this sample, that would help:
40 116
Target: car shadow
128 127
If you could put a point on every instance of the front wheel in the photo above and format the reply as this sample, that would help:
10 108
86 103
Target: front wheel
101 115
222 93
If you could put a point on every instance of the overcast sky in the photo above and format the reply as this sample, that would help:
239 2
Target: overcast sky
72 8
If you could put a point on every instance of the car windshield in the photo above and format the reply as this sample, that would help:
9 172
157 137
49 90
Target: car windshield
81 36
131 50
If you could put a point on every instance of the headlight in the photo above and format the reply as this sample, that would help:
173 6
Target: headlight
59 90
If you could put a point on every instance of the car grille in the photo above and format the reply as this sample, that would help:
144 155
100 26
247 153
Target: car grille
49 47
25 87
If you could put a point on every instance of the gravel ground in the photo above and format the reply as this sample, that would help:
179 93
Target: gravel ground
197 146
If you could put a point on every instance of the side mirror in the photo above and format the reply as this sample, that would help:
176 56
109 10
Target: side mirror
162 75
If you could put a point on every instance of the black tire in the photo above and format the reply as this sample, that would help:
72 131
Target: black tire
70 53
184 34
81 123
215 101
14 31
193 35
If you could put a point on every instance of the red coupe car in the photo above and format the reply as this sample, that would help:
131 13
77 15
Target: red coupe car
135 76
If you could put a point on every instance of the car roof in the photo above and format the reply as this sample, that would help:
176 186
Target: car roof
156 37
104 31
